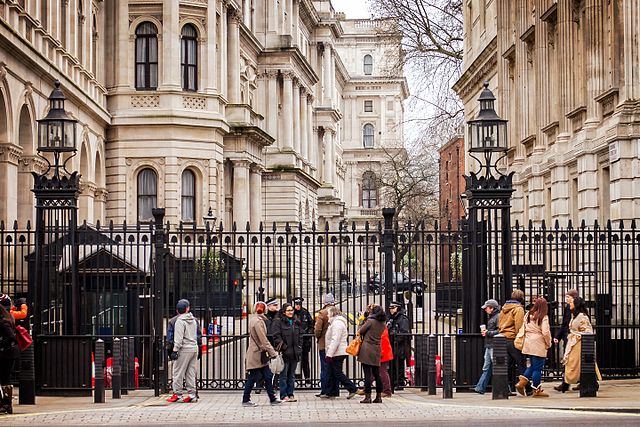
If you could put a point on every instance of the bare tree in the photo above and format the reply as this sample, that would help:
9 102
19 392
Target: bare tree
408 182
432 50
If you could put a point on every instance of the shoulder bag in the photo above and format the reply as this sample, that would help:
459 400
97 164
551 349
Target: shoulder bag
23 338
354 346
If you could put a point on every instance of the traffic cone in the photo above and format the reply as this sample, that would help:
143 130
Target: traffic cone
244 310
204 345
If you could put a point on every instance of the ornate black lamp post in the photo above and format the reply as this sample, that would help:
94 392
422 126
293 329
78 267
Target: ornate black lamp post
56 223
487 249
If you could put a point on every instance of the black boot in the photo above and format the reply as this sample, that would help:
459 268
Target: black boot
367 398
563 387
378 398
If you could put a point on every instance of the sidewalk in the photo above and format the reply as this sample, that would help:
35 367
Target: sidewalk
617 404
613 396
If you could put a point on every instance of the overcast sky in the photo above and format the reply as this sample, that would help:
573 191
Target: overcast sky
355 9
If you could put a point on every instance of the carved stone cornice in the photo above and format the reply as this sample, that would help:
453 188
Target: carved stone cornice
10 153
478 72
100 194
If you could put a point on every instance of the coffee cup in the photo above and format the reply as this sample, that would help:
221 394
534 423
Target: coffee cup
483 328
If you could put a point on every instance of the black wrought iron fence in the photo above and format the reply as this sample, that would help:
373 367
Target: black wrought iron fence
224 271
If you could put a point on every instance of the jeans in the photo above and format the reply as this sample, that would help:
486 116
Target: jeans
337 377
324 374
384 376
255 375
371 371
515 363
288 378
534 371
487 370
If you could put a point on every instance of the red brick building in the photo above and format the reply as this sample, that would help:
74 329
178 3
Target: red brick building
451 181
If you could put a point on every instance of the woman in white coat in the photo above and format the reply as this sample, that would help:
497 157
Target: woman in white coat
336 352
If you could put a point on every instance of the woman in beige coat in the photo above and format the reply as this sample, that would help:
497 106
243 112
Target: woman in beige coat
255 363
537 340
579 324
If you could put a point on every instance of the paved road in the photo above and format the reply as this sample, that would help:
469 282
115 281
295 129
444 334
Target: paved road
407 408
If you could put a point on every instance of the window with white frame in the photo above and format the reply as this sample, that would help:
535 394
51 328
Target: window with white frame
369 190
368 106
147 193
368 136
146 56
368 65
189 58
188 195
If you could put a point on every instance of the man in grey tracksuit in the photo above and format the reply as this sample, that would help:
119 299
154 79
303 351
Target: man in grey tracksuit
185 354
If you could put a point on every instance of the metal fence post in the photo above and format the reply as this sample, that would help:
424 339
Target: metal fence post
116 369
27 376
447 382
132 363
98 393
388 239
157 300
499 379
433 350
422 357
588 380
125 366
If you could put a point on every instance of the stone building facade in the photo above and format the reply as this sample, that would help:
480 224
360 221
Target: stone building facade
259 110
565 75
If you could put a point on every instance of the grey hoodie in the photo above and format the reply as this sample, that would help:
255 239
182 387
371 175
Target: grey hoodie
185 336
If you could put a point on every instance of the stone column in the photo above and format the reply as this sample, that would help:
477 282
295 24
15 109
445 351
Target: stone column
288 28
565 45
233 53
304 125
326 65
224 70
9 157
241 202
99 202
212 28
595 57
170 46
312 142
287 111
272 106
122 35
329 157
630 11
296 117
255 191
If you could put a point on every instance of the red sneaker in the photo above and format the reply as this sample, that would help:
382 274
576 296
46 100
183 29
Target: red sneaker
186 399
173 398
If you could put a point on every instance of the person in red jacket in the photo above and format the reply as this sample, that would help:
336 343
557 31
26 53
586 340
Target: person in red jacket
386 356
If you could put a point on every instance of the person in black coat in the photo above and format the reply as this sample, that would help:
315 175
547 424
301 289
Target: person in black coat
287 336
303 316
563 332
399 335
9 353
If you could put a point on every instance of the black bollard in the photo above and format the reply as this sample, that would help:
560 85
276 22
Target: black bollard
422 356
116 379
499 379
132 363
124 373
98 393
433 350
588 379
447 380
27 377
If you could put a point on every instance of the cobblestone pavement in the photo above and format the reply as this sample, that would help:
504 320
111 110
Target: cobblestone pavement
219 408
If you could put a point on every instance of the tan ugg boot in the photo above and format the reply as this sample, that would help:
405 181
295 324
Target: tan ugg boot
522 383
538 392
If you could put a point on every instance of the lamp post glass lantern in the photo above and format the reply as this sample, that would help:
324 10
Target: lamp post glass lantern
57 131
487 132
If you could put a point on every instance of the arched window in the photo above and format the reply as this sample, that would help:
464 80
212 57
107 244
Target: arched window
368 136
146 56
369 190
147 193
189 58
188 195
368 65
